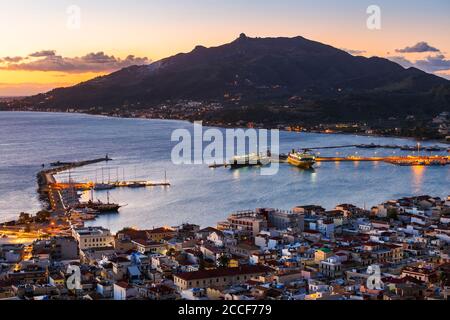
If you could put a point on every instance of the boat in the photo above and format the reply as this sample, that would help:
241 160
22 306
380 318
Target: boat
302 159
434 148
104 186
249 160
136 185
59 164
99 207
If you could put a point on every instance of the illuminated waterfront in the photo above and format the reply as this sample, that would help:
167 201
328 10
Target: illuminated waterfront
198 194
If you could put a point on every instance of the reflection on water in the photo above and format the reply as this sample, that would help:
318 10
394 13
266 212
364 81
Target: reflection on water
418 176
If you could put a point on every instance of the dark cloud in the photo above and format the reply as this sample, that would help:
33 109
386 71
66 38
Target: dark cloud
43 53
48 60
354 52
418 47
11 59
405 63
431 64
434 63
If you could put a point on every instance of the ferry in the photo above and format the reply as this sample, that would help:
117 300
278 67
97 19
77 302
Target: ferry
303 159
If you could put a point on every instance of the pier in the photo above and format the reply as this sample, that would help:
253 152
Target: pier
62 195
405 161
48 186
401 161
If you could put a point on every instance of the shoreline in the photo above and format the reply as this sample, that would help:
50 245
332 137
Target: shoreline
214 125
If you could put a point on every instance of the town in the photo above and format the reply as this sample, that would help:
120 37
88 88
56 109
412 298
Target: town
397 250
228 115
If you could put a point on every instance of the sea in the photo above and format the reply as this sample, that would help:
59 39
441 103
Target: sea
141 150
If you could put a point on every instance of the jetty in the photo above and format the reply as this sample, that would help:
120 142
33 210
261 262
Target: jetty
48 186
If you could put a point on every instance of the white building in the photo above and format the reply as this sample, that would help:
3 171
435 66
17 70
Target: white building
93 237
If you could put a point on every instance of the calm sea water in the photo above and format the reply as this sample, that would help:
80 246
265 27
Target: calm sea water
141 150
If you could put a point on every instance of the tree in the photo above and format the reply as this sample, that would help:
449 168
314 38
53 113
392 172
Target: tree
392 214
171 252
223 261
42 216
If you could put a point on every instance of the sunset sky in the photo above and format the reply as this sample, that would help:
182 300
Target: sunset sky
40 50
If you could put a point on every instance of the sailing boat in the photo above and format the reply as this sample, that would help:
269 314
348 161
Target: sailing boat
103 185
101 207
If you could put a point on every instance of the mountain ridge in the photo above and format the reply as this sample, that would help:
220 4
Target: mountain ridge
264 71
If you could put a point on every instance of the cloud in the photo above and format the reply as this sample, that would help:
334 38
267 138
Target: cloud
48 60
405 63
43 53
432 64
354 52
11 59
419 47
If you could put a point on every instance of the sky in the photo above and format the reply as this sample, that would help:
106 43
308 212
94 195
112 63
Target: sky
53 43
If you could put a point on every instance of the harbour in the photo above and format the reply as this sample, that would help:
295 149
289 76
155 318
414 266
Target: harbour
141 146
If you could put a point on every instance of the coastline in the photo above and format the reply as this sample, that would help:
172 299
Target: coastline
222 126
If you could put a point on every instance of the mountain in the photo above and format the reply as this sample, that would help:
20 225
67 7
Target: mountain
316 80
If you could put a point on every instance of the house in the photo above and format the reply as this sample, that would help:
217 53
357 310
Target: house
203 234
331 267
219 277
159 234
217 238
147 246
265 242
56 279
124 291
244 250
322 254
211 252
425 275
105 288
157 292
263 257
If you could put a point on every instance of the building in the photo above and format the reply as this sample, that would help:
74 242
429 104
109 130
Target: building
159 234
248 222
93 237
220 277
422 274
331 267
59 248
322 254
283 220
124 291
